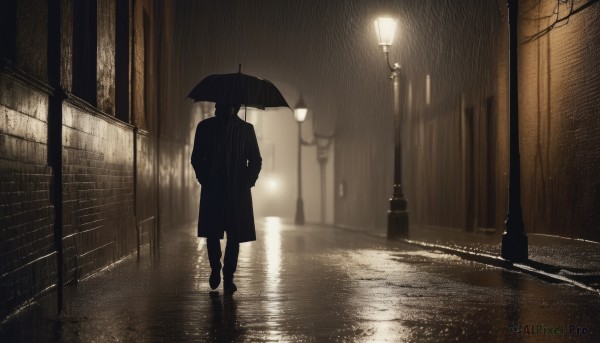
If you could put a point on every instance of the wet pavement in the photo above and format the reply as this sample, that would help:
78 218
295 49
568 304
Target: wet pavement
311 284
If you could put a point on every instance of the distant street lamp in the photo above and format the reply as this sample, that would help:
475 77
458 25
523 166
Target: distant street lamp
397 215
300 112
323 142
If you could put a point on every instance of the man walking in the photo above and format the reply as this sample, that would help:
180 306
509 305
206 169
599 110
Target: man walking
227 161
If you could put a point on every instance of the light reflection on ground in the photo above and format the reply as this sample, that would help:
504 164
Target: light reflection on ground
272 246
307 284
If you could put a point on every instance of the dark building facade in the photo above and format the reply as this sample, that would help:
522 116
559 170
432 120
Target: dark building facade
80 143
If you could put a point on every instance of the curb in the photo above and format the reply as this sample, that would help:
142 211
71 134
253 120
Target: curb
502 263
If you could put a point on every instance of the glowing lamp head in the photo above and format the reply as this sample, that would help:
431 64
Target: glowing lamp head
385 27
300 111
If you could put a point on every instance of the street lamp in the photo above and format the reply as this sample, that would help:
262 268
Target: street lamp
397 215
300 112
514 239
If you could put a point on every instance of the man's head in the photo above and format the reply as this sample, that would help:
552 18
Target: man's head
227 109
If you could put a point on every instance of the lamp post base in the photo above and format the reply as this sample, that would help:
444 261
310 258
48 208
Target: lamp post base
514 247
398 215
299 212
397 224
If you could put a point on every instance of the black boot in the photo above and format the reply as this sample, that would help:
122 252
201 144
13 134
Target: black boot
213 247
228 285
215 278
230 265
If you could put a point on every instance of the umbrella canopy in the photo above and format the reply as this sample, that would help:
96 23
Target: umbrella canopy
238 88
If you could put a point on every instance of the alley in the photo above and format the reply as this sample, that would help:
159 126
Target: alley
310 284
450 150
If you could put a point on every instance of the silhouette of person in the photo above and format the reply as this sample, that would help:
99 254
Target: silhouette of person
227 161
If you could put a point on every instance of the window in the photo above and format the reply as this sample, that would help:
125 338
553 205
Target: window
8 27
149 95
84 50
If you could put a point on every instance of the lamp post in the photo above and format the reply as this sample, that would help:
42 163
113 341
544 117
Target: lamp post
300 112
397 214
323 142
514 239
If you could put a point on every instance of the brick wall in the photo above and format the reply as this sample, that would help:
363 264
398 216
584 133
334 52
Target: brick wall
559 104
103 162
98 218
559 109
27 251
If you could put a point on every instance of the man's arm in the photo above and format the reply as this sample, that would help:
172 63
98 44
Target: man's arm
198 158
254 158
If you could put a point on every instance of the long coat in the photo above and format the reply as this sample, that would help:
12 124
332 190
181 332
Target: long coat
227 162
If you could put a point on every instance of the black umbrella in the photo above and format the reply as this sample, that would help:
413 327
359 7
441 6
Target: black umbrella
238 88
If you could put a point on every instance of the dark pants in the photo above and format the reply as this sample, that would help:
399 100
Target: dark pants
232 249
